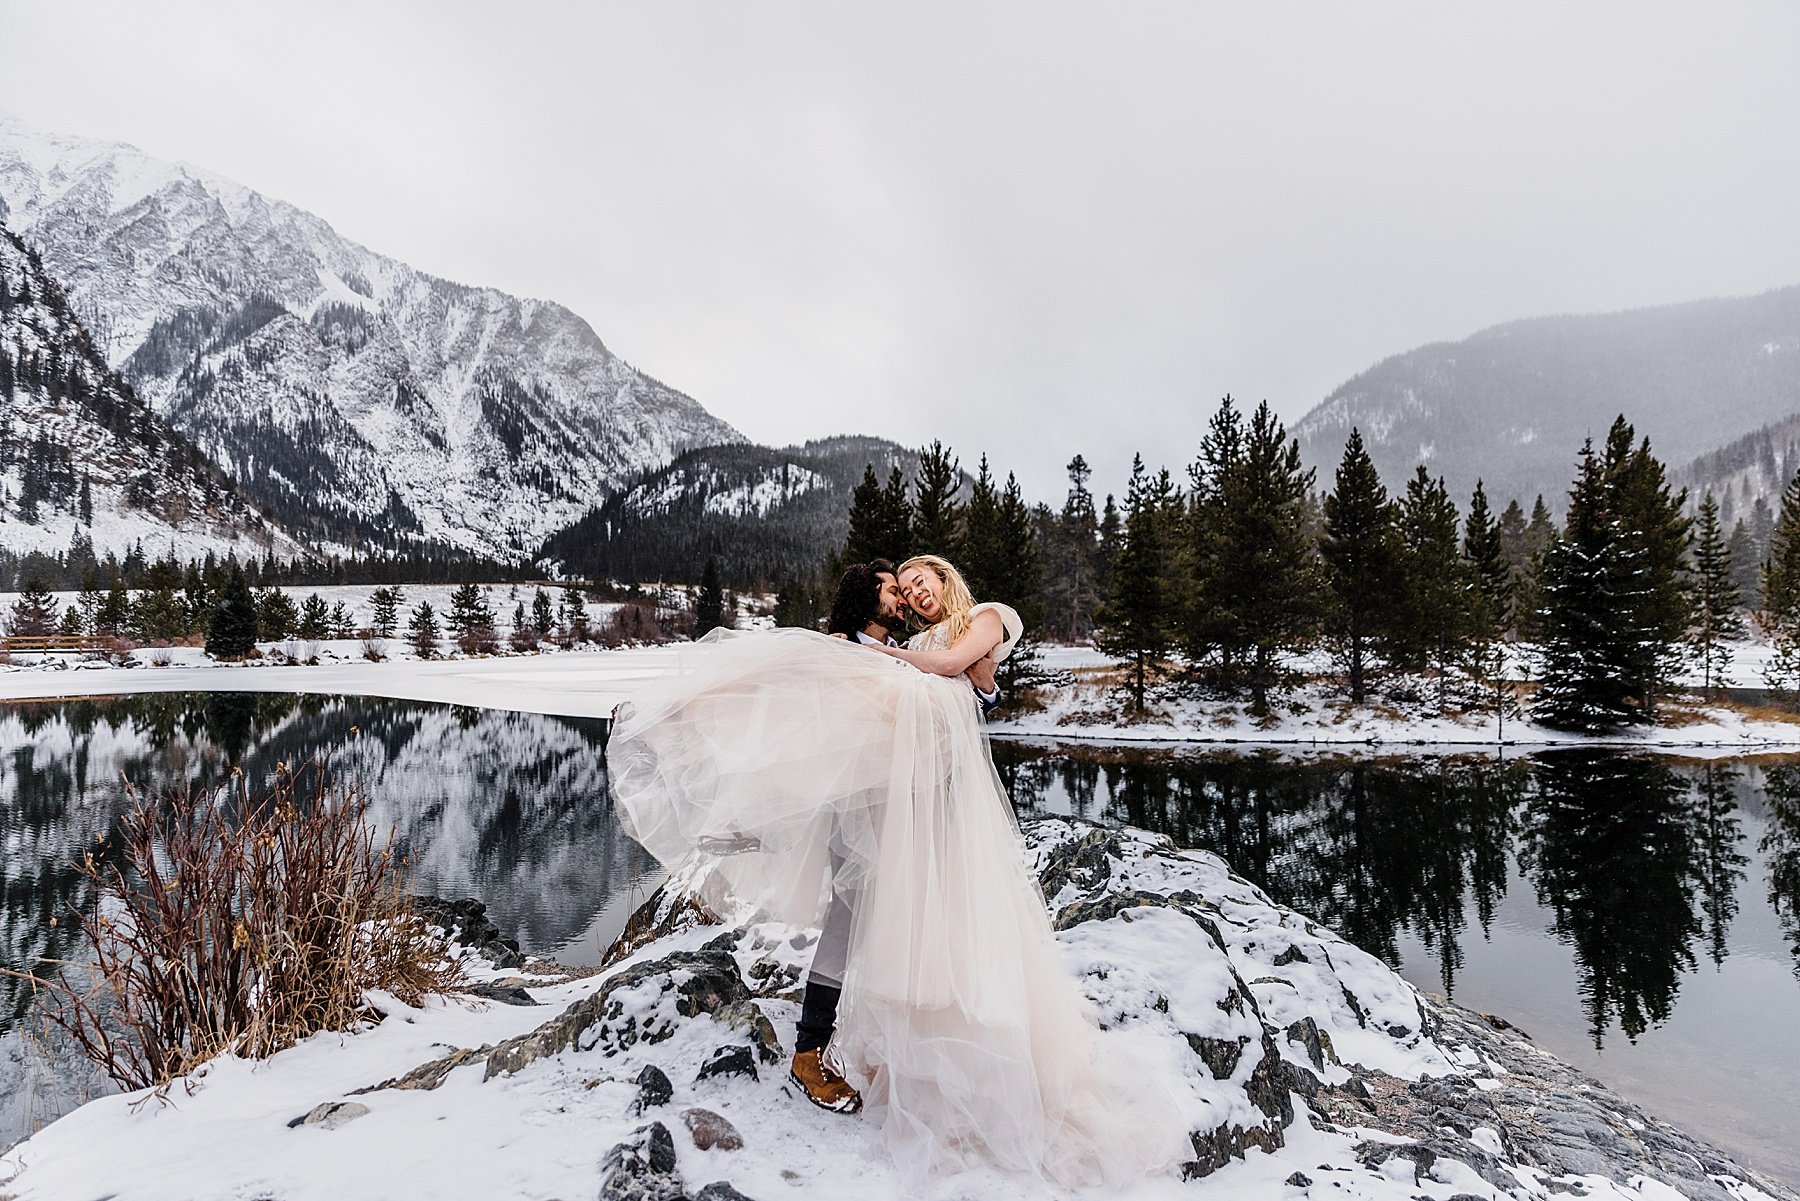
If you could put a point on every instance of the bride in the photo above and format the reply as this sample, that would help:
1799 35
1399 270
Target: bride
862 772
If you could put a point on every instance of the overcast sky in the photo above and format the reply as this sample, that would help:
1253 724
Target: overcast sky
1031 228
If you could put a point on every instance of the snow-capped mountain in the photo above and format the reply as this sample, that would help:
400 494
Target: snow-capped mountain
1511 404
81 454
354 397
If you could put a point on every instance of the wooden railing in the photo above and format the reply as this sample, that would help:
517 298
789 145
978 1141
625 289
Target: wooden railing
54 643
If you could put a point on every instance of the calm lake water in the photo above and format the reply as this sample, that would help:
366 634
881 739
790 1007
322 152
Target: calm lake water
1636 914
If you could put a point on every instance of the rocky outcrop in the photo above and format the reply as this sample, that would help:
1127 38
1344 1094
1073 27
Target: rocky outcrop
467 923
1270 1019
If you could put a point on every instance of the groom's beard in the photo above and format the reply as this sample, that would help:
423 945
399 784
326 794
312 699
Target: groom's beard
893 623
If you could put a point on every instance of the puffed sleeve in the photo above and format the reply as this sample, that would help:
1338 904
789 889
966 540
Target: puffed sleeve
1010 622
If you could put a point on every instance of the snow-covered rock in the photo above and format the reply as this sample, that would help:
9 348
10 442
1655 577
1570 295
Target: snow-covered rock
1309 1068
346 391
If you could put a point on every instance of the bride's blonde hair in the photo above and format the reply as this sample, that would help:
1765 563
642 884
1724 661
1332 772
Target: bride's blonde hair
956 600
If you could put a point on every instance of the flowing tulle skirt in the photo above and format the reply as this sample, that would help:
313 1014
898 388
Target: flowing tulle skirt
820 766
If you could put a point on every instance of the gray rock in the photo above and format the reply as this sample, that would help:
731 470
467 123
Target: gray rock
1292 955
506 994
690 983
735 1060
654 1089
718 1190
1306 1033
665 913
642 1168
710 1130
428 1076
466 922
1298 1180
329 1115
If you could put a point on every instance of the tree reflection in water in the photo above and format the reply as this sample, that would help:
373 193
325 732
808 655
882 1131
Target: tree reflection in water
1636 859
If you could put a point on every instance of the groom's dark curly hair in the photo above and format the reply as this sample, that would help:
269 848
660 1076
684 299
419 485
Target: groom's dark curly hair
858 598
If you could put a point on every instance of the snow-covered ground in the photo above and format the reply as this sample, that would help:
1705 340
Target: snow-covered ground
1094 707
1282 1043
589 681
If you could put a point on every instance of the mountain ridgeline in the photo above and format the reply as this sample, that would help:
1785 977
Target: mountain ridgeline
763 514
1506 404
367 404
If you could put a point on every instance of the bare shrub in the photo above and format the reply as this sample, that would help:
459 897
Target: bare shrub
161 657
374 649
232 923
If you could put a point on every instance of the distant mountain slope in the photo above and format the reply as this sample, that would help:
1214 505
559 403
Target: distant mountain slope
1755 467
765 513
1511 404
80 453
351 395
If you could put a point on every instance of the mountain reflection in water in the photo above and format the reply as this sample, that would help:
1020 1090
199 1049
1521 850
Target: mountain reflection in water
509 807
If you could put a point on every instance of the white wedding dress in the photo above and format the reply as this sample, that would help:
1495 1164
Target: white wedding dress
970 1038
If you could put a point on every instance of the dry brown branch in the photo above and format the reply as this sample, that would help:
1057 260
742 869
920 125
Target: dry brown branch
232 922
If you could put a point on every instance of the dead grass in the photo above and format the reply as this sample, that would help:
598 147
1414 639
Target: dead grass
232 922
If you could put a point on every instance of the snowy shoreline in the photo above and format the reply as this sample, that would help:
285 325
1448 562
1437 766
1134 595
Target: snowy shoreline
591 681
1306 1067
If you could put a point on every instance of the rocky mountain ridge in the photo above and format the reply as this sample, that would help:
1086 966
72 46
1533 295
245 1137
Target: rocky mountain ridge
82 456
368 403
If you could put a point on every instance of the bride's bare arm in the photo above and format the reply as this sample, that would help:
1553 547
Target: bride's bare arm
983 635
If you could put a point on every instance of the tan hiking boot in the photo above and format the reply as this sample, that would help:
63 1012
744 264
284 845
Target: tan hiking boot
823 1084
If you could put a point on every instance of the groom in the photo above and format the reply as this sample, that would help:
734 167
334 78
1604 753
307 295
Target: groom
867 608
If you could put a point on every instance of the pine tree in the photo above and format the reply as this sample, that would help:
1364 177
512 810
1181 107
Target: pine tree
1257 580
231 630
315 619
422 631
1135 622
543 613
1436 601
1359 550
981 548
73 625
1596 667
1779 615
1746 565
85 506
1660 532
1490 571
386 616
342 624
574 613
796 605
276 615
709 604
1112 537
896 517
1718 619
114 612
1073 554
937 514
34 613
471 620
868 521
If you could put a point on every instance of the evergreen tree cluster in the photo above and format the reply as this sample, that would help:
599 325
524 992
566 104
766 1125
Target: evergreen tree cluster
983 526
1235 574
